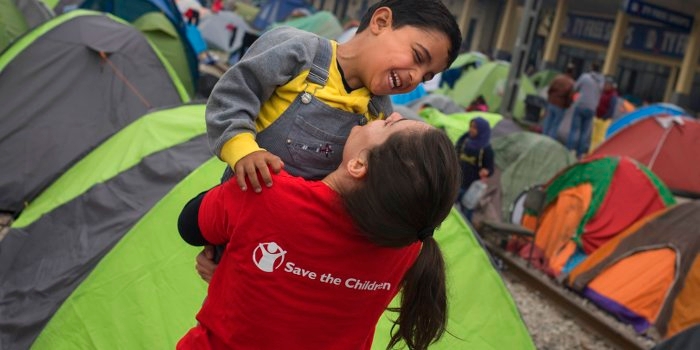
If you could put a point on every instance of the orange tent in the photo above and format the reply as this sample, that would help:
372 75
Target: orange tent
648 275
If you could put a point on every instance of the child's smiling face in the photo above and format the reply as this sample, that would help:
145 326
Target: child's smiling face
405 57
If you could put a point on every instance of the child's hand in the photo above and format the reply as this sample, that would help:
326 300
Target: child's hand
250 165
205 263
484 173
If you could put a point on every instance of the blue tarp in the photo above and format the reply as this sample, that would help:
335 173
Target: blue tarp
641 113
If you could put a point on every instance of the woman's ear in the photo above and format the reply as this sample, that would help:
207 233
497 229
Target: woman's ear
381 19
357 167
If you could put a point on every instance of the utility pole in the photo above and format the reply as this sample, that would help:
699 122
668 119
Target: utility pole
521 51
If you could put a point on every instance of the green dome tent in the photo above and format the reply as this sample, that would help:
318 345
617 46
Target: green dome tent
96 262
489 80
526 159
161 32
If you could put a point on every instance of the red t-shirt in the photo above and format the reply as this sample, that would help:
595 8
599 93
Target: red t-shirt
296 275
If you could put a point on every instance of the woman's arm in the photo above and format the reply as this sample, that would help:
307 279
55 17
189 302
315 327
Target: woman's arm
188 222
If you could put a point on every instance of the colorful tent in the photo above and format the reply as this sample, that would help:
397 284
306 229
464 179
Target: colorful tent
96 262
65 87
589 203
669 146
641 113
648 275
489 80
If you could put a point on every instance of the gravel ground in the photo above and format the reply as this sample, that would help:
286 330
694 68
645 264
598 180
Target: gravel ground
551 328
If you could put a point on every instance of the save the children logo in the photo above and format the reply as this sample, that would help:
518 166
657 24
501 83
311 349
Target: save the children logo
268 256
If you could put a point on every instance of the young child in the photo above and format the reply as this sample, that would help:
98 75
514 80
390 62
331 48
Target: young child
293 98
475 155
321 274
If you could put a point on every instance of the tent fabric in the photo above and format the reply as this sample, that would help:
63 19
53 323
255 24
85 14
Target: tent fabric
617 183
76 221
161 33
676 228
668 146
641 113
489 80
322 23
456 124
687 339
557 226
73 98
583 208
541 79
526 159
131 10
35 12
638 284
12 23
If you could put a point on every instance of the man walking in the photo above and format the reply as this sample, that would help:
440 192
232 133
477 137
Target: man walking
589 86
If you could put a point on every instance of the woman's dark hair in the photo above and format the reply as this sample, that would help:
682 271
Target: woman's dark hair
424 14
411 184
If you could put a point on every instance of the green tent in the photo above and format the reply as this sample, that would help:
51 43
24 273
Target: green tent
121 277
526 159
12 23
321 23
542 78
469 57
489 80
160 31
456 124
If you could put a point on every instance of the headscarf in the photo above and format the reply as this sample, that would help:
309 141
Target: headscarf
483 136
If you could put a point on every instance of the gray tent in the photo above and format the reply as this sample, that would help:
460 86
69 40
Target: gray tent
35 11
66 86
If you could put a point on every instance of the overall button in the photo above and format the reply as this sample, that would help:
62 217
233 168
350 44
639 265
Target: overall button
306 98
362 121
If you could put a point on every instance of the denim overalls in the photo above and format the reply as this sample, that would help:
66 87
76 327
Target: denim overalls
310 135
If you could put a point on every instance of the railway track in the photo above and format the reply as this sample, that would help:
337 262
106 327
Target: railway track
604 327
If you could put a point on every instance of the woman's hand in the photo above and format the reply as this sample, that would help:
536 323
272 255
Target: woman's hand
205 263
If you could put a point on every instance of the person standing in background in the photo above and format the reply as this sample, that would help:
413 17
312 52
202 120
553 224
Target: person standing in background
589 86
559 98
604 112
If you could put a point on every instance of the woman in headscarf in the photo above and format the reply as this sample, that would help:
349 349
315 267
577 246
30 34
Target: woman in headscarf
475 155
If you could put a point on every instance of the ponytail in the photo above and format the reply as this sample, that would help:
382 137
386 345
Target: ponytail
423 312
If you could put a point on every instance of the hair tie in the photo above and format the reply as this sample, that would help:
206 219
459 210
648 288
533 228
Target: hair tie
425 233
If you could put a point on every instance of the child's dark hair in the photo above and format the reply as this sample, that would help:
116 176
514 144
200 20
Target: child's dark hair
424 14
411 184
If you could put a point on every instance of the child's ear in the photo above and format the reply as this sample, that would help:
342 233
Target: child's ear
381 19
357 167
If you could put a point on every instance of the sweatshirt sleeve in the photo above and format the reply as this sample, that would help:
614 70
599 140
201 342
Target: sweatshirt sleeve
234 104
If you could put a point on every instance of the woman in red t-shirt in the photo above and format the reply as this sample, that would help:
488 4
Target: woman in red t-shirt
314 264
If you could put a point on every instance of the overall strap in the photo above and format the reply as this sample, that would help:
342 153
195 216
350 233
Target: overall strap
321 63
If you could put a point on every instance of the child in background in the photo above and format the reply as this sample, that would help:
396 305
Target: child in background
476 156
293 98
478 105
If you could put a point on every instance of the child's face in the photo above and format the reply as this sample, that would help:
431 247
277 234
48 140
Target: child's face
404 57
473 130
